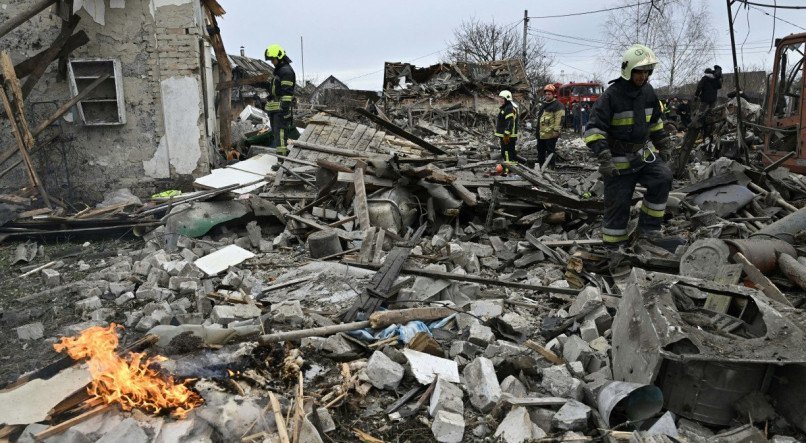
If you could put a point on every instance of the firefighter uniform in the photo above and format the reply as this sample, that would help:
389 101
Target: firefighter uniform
623 121
280 100
550 120
506 129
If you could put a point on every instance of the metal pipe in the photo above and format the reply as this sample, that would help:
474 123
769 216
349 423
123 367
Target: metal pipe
12 23
786 228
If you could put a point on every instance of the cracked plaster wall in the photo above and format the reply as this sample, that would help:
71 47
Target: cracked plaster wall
165 140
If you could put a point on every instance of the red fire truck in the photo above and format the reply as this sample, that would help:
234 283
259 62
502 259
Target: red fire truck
574 92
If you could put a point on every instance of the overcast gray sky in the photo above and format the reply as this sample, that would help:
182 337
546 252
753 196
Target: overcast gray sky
352 39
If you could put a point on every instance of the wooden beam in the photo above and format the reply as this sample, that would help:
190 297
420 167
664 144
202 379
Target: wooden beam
756 276
75 41
24 16
16 117
51 54
67 424
224 75
360 199
8 153
400 132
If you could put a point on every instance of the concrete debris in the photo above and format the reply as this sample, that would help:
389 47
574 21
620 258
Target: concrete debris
446 397
572 416
448 427
382 372
517 427
482 385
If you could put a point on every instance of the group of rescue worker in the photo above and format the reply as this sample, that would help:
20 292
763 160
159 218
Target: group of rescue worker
627 137
625 134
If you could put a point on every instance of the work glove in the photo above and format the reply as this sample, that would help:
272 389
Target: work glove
606 167
665 148
506 138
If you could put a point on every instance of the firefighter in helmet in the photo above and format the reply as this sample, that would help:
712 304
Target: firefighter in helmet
549 123
623 122
506 129
281 96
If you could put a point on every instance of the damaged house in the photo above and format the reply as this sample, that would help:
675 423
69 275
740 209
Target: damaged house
462 94
151 118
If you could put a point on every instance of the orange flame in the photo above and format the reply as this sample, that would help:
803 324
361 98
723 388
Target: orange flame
129 382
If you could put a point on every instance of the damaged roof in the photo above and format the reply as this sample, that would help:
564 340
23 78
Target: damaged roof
498 74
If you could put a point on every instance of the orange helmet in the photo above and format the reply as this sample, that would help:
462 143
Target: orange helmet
550 88
499 168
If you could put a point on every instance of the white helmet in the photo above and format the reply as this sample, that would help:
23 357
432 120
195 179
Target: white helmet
506 94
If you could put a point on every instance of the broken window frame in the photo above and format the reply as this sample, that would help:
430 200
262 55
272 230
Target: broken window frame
86 106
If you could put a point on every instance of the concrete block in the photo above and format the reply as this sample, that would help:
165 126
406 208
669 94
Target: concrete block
518 322
146 323
448 427
188 287
529 258
175 281
254 233
382 372
324 243
31 331
446 397
487 308
576 349
225 314
588 331
572 416
542 418
124 298
51 277
464 348
477 249
142 267
491 262
481 335
425 367
577 369
559 383
481 382
232 280
517 427
512 386
288 312
600 345
88 304
118 288
102 314
588 298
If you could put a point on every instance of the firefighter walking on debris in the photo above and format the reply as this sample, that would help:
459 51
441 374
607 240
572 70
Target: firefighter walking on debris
281 96
506 129
549 123
623 121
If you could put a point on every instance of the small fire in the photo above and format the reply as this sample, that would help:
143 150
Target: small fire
130 382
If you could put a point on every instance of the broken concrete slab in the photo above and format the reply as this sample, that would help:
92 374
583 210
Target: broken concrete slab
587 300
481 382
448 427
128 431
426 366
382 372
480 335
225 314
219 261
517 427
289 311
31 331
33 400
446 397
487 308
514 387
557 380
572 416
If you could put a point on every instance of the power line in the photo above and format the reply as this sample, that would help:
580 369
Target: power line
777 18
381 70
763 5
593 46
573 14
587 39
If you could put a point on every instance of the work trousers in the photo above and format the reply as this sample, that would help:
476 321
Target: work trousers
508 155
656 177
280 125
546 147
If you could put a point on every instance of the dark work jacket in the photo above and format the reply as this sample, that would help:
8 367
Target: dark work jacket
507 122
281 93
612 125
707 88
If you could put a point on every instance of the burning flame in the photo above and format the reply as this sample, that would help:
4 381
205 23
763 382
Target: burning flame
131 382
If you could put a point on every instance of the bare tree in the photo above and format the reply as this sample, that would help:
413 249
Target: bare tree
679 31
476 41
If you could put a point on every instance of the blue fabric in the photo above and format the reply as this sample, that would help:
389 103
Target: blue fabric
404 332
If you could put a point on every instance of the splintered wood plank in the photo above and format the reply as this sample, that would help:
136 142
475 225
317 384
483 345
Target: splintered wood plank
365 255
335 135
762 282
360 200
375 143
356 136
363 142
345 135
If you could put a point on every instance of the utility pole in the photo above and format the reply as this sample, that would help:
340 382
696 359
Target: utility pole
525 30
739 124
302 59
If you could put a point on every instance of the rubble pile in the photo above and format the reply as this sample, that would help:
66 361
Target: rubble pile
380 286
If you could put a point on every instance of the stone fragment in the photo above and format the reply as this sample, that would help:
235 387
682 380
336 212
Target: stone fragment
51 277
324 243
572 416
448 427
288 312
232 280
31 331
517 427
89 304
118 288
542 418
425 367
588 331
512 386
382 372
254 233
146 323
577 369
600 345
528 259
446 397
588 299
518 322
188 287
487 308
464 348
481 383
481 335
559 383
693 431
576 349
102 314
325 419
225 314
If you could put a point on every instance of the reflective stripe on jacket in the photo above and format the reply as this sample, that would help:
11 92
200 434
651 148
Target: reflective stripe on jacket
507 122
281 94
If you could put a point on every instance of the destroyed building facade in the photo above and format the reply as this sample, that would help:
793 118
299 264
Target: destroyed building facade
153 118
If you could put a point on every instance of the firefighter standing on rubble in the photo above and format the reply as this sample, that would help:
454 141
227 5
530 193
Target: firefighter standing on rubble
623 121
280 100
506 129
549 123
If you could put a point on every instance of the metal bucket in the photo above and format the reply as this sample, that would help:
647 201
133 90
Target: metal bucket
620 401
761 252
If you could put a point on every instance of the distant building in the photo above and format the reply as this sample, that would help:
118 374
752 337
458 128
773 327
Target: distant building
330 83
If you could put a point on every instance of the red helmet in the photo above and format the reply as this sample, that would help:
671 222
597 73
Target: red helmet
550 88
